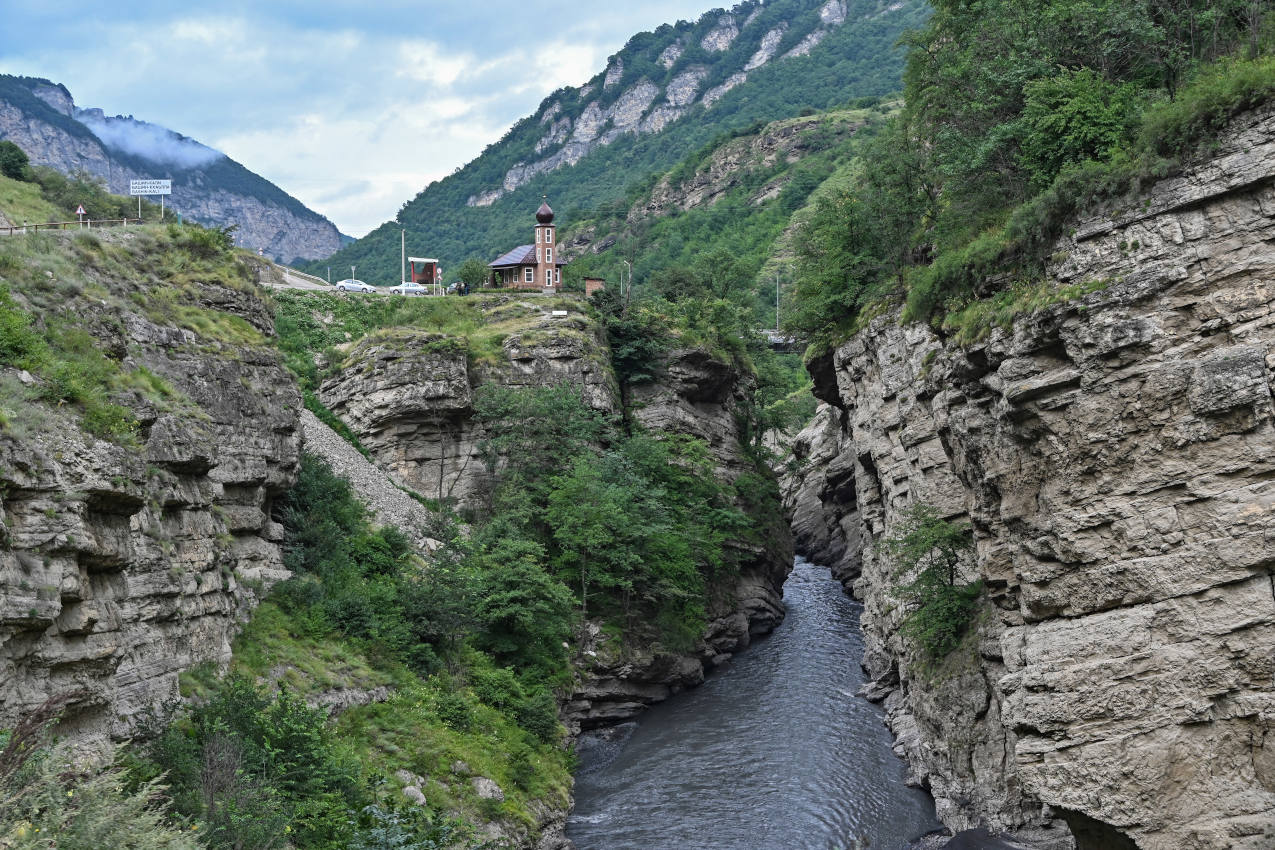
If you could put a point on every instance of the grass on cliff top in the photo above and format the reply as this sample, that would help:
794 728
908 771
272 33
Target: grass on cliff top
313 326
65 298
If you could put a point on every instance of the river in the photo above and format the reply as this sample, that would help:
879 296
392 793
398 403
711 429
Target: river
774 750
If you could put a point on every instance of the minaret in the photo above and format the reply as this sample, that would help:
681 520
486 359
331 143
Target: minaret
546 247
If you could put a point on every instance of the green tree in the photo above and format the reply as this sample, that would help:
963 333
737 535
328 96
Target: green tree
473 272
1074 116
928 551
14 162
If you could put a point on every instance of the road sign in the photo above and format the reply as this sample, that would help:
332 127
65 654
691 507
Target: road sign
80 210
150 187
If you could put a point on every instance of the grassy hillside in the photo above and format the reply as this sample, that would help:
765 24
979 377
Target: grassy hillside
858 58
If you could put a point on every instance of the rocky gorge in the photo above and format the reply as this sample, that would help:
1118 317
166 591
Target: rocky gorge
1113 454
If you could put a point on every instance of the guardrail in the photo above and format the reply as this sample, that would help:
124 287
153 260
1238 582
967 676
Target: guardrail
290 271
87 224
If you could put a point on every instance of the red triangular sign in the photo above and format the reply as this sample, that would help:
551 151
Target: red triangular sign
80 210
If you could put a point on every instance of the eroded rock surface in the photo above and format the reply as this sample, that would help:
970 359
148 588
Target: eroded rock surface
409 395
1116 455
122 566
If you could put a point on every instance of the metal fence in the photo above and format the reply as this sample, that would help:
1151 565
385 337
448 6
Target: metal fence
86 224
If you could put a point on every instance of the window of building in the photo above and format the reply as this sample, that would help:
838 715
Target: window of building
537 234
548 255
530 275
537 253
549 234
548 277
558 274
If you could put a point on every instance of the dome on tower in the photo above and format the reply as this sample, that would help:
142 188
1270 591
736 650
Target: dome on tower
544 215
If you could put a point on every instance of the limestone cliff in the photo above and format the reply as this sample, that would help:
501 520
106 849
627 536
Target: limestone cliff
1114 455
699 396
124 563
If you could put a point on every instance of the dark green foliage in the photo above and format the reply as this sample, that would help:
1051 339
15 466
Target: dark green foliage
14 162
473 272
928 551
20 344
636 336
1017 115
1073 117
637 529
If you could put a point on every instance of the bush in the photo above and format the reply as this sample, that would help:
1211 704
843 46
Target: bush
20 344
256 768
929 550
14 162
45 801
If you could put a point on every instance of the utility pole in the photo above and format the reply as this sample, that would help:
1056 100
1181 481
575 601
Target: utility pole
626 298
776 302
402 275
351 272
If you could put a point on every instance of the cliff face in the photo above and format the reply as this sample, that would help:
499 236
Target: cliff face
123 565
207 186
1114 455
409 396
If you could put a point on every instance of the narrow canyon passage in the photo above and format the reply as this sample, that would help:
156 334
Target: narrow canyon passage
773 751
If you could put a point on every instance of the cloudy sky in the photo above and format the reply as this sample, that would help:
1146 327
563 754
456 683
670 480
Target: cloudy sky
350 106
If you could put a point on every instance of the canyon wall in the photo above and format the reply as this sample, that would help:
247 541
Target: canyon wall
1115 455
123 564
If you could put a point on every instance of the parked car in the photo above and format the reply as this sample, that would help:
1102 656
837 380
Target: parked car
349 285
408 288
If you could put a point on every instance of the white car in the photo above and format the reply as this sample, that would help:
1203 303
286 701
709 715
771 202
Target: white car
349 285
408 288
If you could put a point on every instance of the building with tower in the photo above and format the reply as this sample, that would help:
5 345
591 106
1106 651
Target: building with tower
534 266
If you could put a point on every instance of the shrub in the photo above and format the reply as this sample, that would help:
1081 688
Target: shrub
14 162
929 550
256 768
45 801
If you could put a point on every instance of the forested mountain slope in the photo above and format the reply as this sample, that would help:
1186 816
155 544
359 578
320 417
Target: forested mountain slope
665 95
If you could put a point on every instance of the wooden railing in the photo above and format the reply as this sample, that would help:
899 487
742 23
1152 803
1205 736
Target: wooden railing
88 223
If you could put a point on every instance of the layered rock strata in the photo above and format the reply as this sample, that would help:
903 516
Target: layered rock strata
409 395
123 565
1114 455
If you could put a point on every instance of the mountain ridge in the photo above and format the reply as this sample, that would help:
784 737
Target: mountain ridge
41 117
587 146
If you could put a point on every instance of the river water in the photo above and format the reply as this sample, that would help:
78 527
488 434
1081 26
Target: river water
774 750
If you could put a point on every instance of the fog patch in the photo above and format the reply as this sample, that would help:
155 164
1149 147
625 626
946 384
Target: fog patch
149 141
